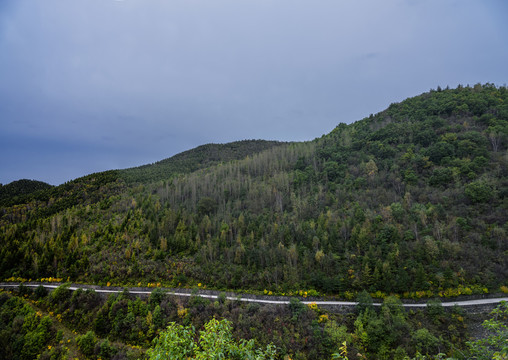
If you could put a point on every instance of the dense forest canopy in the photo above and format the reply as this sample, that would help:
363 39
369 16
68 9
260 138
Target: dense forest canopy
412 200
17 191
198 158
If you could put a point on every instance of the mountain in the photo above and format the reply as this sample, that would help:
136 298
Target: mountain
90 189
17 190
198 158
412 200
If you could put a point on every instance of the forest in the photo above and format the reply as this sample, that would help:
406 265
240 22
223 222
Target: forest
409 203
84 324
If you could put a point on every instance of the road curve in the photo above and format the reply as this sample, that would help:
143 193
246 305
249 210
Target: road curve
254 299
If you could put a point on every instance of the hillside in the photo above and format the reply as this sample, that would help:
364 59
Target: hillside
409 202
42 200
201 157
17 191
412 200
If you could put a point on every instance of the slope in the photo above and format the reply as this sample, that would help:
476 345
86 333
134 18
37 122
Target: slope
412 200
192 160
17 191
42 200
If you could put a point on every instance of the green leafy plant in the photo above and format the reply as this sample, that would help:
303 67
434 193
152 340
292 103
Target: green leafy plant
214 342
495 345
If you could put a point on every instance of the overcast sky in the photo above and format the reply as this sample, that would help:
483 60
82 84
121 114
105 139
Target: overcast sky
92 85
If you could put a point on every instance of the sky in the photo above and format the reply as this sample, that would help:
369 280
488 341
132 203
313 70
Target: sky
93 85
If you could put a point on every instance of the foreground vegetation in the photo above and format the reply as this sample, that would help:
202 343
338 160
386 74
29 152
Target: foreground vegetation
65 324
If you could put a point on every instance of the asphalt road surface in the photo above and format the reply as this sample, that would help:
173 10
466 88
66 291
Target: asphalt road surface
253 298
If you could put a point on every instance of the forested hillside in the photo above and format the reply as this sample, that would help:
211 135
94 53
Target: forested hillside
17 191
412 201
201 157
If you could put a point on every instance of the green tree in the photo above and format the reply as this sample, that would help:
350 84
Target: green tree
215 342
87 343
478 191
156 297
364 302
206 206
495 345
424 341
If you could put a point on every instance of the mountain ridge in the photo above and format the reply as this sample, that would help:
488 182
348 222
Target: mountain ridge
412 199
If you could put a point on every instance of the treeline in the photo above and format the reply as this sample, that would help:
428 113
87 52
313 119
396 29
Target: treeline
44 200
42 203
201 157
17 191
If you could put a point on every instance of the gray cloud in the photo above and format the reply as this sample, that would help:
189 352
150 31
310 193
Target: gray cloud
136 81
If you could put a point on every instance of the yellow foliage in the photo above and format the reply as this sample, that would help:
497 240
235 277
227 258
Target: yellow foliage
349 295
313 306
379 295
182 312
323 318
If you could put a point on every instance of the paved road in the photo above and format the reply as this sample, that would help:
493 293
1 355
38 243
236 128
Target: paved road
254 299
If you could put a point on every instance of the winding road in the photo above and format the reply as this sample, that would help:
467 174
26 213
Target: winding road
253 298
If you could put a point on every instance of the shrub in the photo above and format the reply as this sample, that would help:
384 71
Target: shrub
435 308
494 345
41 292
424 341
296 307
86 343
105 350
441 176
61 293
364 302
221 298
478 192
215 342
156 297
24 290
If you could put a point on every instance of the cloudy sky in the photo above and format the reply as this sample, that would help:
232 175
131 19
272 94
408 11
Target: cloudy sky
91 85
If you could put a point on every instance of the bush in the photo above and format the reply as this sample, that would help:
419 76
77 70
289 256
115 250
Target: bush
41 292
424 341
86 343
61 293
435 309
105 350
24 290
494 345
156 297
296 307
215 342
441 176
478 192
364 302
221 298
